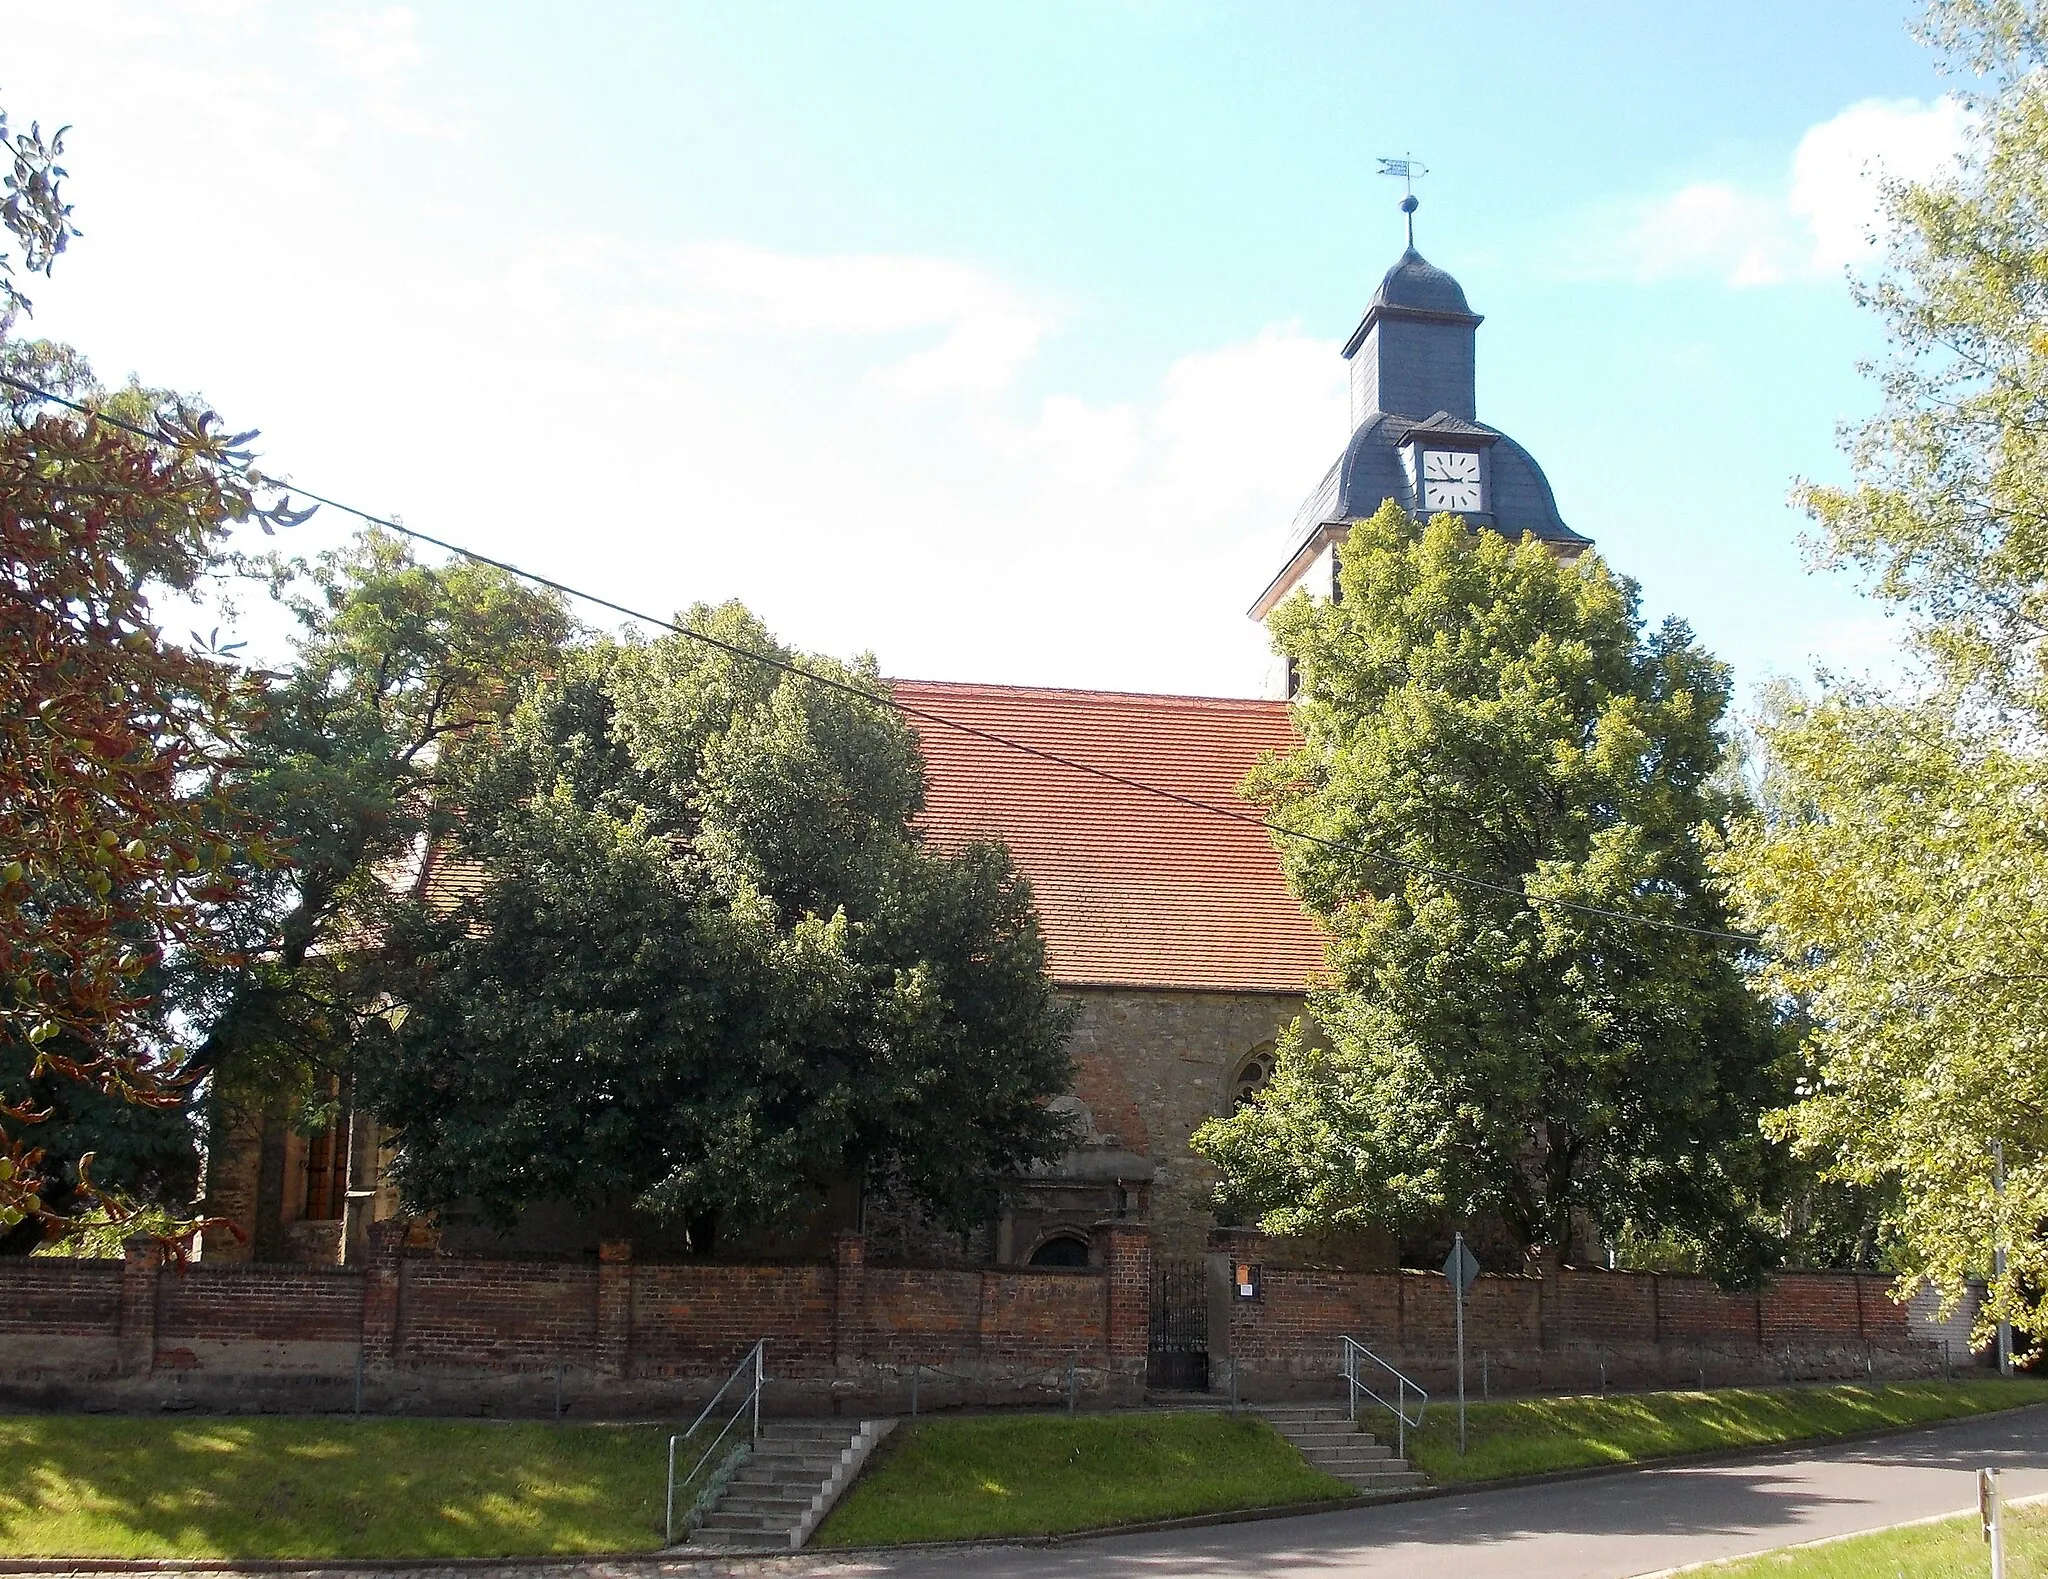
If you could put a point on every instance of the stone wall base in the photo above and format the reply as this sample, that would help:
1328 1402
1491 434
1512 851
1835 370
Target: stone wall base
580 1394
1587 1369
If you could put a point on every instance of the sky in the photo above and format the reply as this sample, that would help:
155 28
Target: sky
998 340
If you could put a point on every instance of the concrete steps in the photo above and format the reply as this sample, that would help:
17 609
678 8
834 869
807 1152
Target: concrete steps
798 1469
1329 1439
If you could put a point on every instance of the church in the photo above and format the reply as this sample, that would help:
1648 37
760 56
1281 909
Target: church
1170 928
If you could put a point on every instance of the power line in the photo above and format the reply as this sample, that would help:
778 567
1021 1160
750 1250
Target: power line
1092 770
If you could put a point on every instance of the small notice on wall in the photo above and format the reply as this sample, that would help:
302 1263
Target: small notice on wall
1246 1276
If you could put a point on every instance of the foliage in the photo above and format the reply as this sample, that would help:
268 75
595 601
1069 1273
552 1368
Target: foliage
1037 1475
1476 709
1534 1436
33 211
118 843
1905 906
398 667
243 1488
1899 865
102 1232
143 1158
704 964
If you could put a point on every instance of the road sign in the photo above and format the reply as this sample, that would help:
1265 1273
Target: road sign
1462 1268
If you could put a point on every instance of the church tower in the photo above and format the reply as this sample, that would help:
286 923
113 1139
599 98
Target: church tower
1416 435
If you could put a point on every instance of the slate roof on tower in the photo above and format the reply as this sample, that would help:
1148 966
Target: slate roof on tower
1418 285
1414 384
1132 890
1369 473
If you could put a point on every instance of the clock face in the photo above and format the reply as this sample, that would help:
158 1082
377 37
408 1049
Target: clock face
1450 480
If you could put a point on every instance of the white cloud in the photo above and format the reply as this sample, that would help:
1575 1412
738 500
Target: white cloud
1824 215
939 325
1712 226
987 328
380 48
875 449
1839 165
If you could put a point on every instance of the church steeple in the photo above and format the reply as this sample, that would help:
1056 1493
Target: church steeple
1415 351
1416 435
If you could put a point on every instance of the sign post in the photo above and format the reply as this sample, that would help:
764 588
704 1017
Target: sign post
1462 1268
1998 1255
1991 1512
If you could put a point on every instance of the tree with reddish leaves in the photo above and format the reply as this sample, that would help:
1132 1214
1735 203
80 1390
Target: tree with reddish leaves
119 846
119 851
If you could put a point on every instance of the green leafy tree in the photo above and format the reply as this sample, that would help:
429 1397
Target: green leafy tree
1899 869
397 668
1489 735
706 966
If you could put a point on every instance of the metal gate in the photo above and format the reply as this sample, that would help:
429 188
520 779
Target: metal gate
1177 1353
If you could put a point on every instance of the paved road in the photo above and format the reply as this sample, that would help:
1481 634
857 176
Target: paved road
1607 1528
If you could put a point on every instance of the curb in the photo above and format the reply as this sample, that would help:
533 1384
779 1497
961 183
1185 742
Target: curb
687 1559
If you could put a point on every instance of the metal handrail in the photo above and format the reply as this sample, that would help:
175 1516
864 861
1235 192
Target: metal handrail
1398 1404
754 1361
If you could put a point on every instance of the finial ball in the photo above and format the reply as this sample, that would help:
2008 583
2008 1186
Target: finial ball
1410 203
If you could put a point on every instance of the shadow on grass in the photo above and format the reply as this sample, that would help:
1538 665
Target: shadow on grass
1530 1436
111 1486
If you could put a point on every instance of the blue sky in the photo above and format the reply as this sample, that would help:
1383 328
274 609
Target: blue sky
997 339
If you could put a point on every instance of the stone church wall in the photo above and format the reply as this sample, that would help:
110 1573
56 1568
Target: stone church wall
1151 1067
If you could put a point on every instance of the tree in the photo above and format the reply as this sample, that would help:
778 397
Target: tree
34 211
398 668
1899 869
1490 736
706 966
118 842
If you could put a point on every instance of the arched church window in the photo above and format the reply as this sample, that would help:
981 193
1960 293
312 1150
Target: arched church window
1256 1073
1061 1250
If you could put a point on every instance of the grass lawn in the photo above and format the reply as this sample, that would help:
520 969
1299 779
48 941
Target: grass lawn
1529 1436
268 1486
1952 1549
1041 1474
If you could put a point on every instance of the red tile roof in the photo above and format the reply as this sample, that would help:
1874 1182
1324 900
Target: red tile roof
1132 890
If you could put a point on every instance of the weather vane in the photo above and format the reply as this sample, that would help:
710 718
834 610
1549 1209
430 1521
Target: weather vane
1409 170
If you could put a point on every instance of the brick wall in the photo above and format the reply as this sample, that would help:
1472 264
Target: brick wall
1574 1328
1044 1319
45 1297
60 1318
260 1302
497 1315
441 1334
696 1320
